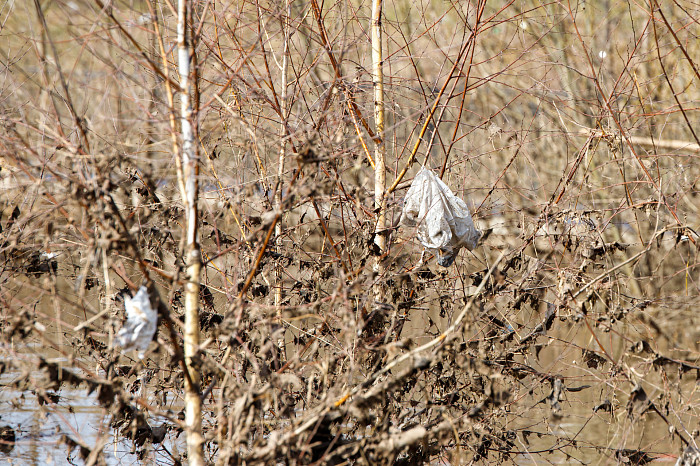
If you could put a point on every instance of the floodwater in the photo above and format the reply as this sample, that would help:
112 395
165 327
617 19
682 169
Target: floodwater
40 429
581 432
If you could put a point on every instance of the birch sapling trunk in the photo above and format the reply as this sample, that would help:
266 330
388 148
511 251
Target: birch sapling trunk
380 238
190 168
280 168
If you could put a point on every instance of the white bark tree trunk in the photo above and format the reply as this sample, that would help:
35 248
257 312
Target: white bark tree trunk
380 238
280 167
190 169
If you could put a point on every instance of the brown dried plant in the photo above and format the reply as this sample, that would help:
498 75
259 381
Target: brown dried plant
327 334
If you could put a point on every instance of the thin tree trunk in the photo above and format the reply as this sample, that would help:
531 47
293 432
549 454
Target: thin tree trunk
280 168
380 238
190 168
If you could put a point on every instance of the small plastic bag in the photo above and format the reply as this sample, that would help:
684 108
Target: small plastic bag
140 325
443 221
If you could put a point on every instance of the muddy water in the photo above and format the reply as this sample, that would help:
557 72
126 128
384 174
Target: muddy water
576 434
595 422
49 429
40 429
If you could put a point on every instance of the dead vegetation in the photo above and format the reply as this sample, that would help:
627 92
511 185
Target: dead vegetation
569 335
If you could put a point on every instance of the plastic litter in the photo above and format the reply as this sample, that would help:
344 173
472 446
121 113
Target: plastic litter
140 325
443 221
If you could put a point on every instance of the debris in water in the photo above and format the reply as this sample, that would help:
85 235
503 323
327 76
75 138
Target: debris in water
140 325
7 439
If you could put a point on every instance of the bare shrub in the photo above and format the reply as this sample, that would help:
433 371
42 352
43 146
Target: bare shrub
569 334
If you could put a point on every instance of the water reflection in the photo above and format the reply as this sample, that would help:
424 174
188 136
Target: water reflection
62 427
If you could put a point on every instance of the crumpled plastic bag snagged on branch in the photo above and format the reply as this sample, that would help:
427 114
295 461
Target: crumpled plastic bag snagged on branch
443 221
141 323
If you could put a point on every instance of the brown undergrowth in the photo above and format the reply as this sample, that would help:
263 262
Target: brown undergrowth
570 333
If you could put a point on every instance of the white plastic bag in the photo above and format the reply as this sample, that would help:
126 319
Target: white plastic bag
140 325
443 221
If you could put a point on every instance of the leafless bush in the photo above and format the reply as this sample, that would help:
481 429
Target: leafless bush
569 334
